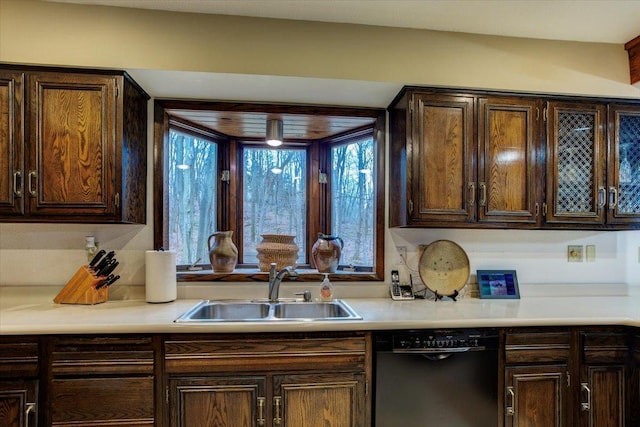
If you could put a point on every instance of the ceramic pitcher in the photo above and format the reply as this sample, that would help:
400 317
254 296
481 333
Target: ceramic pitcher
326 253
223 253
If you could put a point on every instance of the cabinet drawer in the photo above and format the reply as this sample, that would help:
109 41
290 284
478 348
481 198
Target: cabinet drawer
103 401
256 353
102 355
604 347
18 357
537 347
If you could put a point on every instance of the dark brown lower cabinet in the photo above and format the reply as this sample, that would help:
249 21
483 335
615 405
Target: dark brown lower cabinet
536 396
604 368
101 380
19 381
207 401
319 400
18 403
105 401
285 380
572 377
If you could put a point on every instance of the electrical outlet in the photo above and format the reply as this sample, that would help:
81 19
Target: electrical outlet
574 253
402 254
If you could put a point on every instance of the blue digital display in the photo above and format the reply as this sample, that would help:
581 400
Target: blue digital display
498 284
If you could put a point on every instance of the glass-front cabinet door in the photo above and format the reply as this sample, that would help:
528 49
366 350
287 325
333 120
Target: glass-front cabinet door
624 165
576 164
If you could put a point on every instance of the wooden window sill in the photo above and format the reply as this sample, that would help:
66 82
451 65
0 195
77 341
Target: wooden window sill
254 275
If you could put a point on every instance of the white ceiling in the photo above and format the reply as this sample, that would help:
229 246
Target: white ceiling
607 21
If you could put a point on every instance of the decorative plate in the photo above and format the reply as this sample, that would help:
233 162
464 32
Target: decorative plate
444 268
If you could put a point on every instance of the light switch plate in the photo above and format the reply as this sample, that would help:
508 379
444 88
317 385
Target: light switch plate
574 253
591 253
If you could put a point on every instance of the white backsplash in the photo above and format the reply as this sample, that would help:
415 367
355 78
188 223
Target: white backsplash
46 254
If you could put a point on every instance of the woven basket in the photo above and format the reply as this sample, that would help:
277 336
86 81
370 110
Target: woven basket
278 248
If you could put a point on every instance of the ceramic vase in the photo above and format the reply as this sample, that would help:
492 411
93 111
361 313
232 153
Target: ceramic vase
277 248
223 253
326 252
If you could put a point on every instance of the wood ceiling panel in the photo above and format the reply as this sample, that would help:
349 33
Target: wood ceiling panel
253 125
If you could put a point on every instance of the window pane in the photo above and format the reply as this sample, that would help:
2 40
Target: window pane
274 197
352 200
192 187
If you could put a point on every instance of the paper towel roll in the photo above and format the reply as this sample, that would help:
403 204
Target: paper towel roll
160 276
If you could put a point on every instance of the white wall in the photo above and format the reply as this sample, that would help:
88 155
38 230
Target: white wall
155 41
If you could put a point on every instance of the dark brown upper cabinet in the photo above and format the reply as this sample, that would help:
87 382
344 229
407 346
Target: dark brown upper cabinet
75 146
593 164
624 165
500 160
461 160
576 163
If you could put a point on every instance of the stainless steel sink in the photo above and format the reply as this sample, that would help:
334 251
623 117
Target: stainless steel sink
254 311
219 310
312 310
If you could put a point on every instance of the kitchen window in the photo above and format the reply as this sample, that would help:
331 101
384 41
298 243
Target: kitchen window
215 173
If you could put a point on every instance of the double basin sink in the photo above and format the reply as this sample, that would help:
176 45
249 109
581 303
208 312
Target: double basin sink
265 311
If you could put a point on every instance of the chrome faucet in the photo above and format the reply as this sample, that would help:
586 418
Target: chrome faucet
276 278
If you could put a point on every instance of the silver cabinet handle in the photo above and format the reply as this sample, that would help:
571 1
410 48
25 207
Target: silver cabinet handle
472 193
613 197
17 190
277 416
33 176
483 194
511 409
261 419
585 405
602 197
29 407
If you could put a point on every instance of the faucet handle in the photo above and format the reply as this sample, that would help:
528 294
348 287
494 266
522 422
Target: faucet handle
306 295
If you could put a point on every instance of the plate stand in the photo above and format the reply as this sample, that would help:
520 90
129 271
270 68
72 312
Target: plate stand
453 296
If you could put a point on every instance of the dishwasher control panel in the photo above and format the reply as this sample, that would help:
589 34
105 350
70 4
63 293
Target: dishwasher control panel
437 341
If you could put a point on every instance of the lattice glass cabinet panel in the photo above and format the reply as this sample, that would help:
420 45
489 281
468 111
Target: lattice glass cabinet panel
576 163
624 185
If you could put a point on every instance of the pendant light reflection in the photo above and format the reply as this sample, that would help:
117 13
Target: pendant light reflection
275 131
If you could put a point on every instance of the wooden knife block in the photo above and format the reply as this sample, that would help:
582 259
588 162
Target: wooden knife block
81 289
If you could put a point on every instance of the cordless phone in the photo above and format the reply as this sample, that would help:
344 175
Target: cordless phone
398 291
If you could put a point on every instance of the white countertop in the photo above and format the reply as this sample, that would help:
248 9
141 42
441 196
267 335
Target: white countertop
25 311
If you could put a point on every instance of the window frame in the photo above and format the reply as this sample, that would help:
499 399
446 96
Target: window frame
318 197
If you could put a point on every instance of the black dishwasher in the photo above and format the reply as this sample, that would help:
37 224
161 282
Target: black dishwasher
436 378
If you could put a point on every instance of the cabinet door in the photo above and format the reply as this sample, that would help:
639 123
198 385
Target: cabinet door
18 403
72 151
11 143
602 396
576 165
442 166
507 160
319 400
624 165
217 401
536 396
